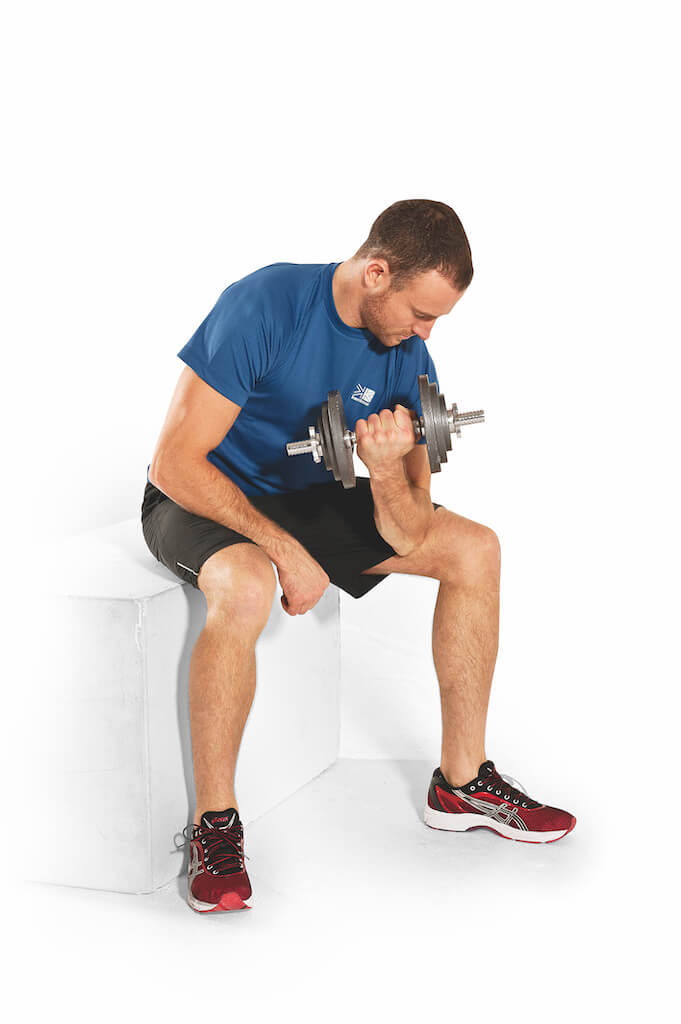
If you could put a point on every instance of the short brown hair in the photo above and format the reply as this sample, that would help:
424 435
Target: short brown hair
417 235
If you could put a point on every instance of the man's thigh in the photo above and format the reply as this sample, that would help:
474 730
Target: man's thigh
335 525
453 547
181 540
338 529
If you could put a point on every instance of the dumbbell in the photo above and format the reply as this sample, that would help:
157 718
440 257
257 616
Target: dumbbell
332 441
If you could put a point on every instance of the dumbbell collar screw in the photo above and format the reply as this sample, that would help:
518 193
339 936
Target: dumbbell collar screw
315 443
452 414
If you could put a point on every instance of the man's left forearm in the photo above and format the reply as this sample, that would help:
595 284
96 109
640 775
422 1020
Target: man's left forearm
403 512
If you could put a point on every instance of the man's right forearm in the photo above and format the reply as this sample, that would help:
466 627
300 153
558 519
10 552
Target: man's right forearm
197 486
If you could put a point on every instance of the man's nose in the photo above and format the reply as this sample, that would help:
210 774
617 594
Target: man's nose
423 331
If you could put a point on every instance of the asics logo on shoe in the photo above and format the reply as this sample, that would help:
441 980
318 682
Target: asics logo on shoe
194 867
499 812
363 394
228 820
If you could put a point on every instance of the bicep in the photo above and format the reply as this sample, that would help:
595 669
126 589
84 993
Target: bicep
197 420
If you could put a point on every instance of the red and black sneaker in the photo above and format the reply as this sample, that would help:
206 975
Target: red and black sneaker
490 801
217 878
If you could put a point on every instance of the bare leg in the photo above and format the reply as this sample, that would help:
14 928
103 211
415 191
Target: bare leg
465 642
239 585
465 557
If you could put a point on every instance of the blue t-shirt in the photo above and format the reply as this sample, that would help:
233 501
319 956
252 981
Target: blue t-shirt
275 345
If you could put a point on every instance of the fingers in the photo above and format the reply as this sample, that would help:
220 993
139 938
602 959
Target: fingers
390 422
287 608
385 420
294 610
404 416
376 423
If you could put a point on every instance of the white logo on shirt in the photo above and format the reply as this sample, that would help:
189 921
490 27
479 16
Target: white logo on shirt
363 395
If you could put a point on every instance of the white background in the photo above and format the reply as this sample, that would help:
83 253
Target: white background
159 151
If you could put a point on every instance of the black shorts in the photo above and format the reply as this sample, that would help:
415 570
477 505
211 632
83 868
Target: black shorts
335 525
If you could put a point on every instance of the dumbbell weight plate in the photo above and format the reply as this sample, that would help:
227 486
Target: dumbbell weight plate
444 434
427 396
324 431
345 468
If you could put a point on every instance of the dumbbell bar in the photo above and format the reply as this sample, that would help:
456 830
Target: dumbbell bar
332 441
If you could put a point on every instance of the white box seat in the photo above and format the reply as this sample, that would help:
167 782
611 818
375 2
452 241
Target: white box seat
111 725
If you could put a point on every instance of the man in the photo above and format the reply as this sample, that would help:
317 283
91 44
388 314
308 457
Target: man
224 506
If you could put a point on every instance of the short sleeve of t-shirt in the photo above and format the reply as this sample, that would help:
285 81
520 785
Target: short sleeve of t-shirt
428 366
234 347
407 389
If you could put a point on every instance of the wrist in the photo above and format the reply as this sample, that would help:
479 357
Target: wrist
280 547
389 472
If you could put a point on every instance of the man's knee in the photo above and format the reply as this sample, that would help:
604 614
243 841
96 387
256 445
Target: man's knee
239 581
488 546
469 548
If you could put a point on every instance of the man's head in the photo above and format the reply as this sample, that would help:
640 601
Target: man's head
416 265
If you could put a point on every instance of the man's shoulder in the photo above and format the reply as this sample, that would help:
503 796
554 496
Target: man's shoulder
276 276
276 290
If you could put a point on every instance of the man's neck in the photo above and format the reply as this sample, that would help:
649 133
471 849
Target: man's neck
345 288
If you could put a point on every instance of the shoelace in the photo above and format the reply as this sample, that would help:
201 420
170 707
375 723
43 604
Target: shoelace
222 847
513 783
512 792
505 786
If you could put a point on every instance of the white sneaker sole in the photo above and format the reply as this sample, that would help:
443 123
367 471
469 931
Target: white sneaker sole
466 822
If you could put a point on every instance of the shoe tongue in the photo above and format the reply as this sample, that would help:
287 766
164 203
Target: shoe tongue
486 768
220 819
